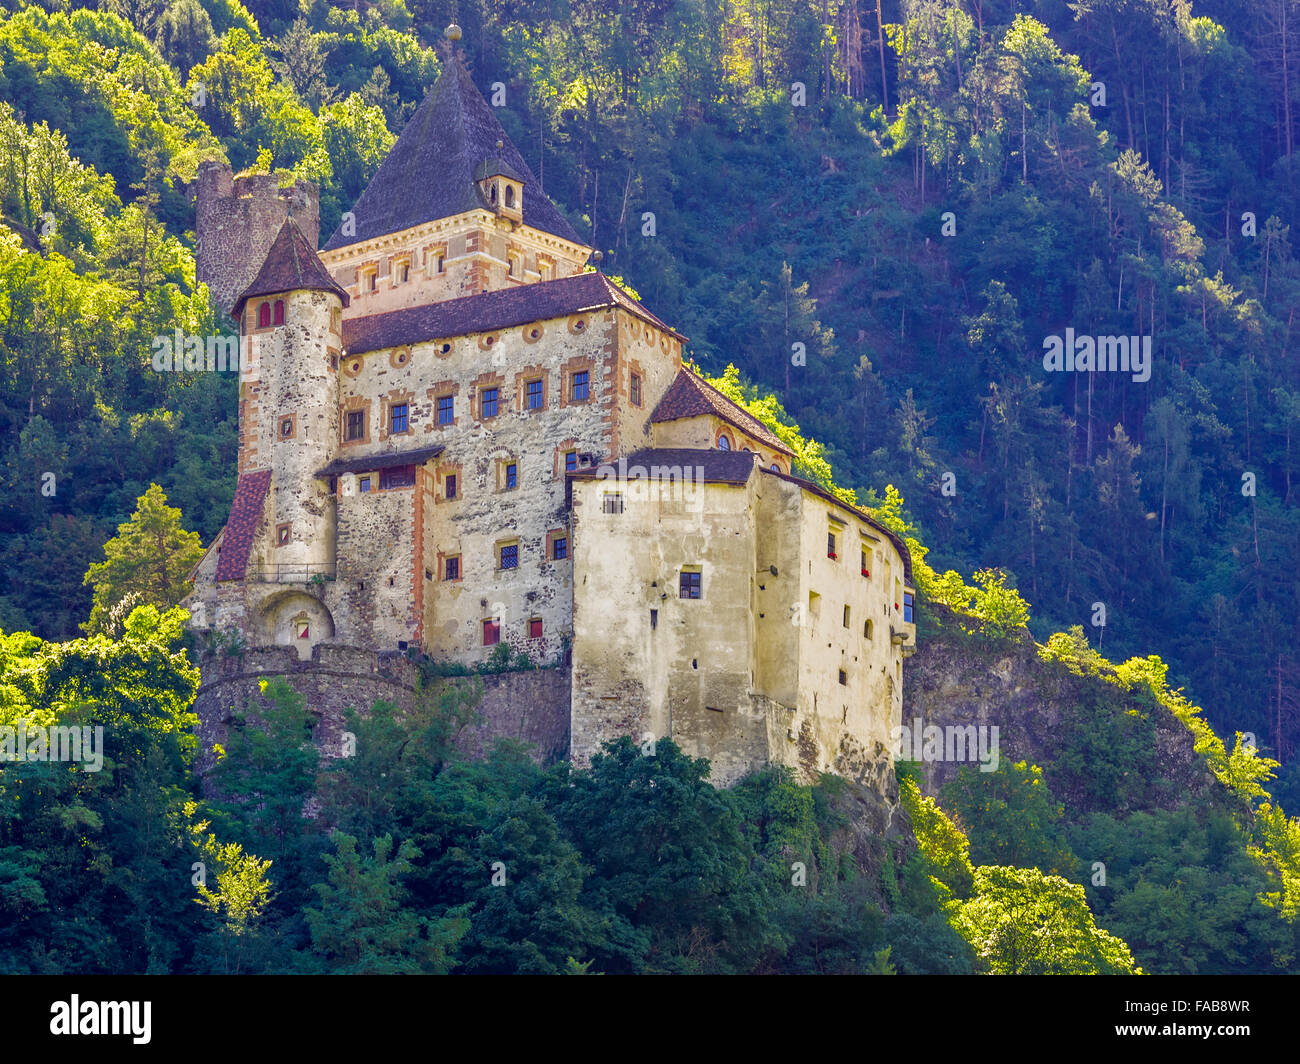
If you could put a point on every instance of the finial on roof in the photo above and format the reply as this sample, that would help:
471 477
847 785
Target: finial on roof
452 32
500 144
598 257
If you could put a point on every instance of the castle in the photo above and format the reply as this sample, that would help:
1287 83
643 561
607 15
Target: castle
452 437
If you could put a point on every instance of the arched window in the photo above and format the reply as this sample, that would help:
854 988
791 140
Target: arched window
494 193
510 195
724 444
279 312
264 316
776 468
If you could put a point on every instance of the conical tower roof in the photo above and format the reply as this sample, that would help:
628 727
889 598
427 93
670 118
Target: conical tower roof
432 169
291 264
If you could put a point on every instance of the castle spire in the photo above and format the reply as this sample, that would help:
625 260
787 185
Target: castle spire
435 168
291 264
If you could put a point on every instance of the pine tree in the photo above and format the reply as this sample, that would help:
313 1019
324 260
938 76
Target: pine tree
148 562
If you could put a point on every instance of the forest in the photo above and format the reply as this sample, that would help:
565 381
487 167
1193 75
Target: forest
870 220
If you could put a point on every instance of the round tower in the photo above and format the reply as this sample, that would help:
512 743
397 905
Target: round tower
291 324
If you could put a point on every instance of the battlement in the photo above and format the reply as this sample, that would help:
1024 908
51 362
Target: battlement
237 218
531 707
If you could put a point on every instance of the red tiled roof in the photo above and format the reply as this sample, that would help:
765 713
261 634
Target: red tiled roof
291 264
245 515
690 396
501 309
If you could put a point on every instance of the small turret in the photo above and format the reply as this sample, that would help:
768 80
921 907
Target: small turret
291 329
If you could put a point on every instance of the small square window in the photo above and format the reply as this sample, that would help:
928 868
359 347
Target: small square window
510 556
451 567
356 425
491 632
613 502
908 603
287 427
634 389
570 461
446 409
512 475
283 534
560 548
489 401
402 273
449 485
581 386
689 586
363 484
535 628
398 417
535 395
830 544
844 678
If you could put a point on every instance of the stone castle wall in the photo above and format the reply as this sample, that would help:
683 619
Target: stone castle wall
236 220
532 707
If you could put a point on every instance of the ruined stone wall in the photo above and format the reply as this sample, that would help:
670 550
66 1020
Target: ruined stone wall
236 221
475 248
532 707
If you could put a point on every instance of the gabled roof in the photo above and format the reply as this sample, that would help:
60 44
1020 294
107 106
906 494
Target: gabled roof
383 460
501 309
690 396
241 525
429 173
290 264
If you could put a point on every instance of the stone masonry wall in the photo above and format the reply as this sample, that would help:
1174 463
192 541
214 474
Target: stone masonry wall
236 220
532 707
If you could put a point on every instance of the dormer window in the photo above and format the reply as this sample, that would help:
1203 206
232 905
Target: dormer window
503 192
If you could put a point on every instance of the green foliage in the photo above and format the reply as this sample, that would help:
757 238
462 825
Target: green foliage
1022 922
1012 819
148 562
361 926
